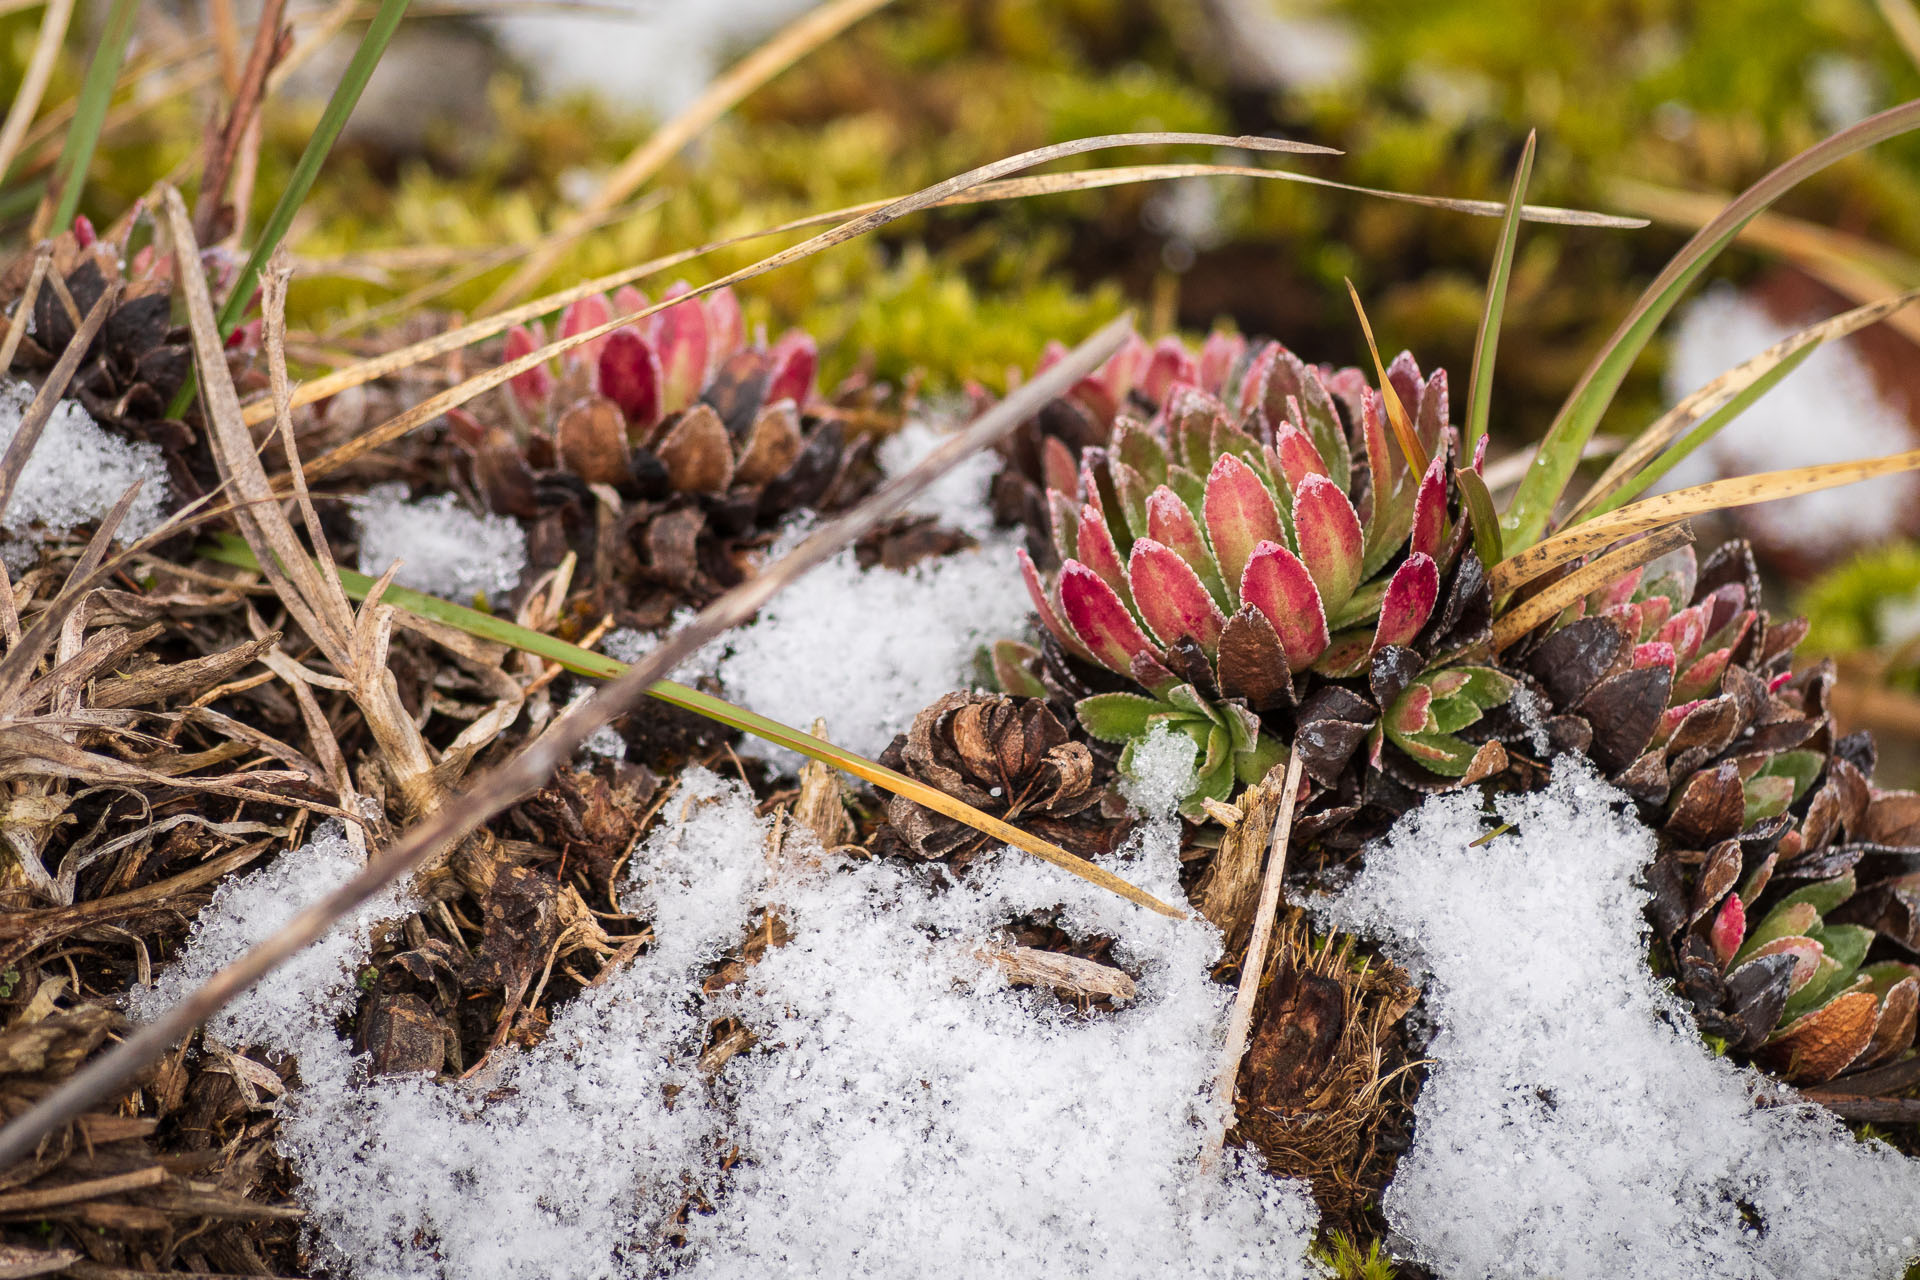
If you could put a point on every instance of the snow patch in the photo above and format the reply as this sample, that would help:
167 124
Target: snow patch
960 499
1160 771
1574 1125
903 1112
1827 410
444 549
303 996
74 475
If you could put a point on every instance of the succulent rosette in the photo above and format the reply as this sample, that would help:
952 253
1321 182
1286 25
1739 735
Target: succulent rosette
707 438
1245 539
1786 886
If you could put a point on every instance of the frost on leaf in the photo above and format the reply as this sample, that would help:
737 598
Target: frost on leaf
1574 1125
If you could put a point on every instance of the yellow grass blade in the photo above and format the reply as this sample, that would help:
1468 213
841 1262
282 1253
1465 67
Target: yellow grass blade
1682 504
1396 412
1533 611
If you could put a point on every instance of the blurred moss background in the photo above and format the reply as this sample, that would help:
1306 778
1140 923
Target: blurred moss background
1430 96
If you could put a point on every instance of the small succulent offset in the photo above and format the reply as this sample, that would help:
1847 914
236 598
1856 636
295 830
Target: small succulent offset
706 437
1255 542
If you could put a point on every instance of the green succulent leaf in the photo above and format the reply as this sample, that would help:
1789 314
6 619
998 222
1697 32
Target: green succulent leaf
1822 895
1119 717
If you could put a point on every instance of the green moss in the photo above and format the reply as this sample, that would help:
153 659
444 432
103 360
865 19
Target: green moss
1843 606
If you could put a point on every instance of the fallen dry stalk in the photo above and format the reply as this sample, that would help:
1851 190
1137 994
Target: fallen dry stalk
502 786
1241 1019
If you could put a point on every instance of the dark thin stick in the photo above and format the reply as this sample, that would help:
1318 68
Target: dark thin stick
529 769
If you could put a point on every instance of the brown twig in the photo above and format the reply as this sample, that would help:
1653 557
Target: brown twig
270 43
500 787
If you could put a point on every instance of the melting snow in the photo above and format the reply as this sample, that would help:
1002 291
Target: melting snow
444 549
903 1113
74 475
1574 1125
1827 410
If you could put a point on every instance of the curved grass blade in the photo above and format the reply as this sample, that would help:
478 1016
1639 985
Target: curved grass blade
1004 189
434 406
1487 341
1721 400
1532 507
90 111
1410 446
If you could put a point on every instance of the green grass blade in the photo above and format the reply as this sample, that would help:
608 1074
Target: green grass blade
1487 341
1480 511
1532 507
346 95
90 111
233 550
1705 431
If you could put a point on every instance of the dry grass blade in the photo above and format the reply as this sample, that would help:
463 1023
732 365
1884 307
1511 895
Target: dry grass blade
1905 21
23 309
1006 189
34 420
26 99
1530 613
1240 1021
532 765
434 406
1410 446
1682 504
788 45
1634 458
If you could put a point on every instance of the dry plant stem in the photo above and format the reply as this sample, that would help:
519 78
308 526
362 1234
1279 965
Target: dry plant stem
1240 1021
225 147
23 310
1671 508
434 406
1530 613
503 785
354 645
26 99
788 45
